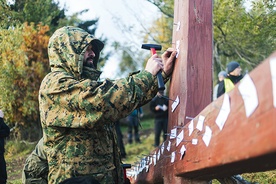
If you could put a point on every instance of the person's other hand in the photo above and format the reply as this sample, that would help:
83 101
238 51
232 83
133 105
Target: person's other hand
157 108
168 58
154 64
1 114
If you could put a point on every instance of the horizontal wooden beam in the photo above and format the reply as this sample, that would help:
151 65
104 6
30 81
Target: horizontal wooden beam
245 144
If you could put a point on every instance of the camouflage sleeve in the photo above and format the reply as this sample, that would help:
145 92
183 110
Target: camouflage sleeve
35 169
115 100
88 102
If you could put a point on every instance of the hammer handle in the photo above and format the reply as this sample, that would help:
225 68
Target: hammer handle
161 86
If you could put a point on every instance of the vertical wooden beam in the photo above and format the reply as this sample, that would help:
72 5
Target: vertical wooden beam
192 77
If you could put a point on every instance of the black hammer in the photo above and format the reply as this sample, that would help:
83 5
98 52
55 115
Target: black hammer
153 48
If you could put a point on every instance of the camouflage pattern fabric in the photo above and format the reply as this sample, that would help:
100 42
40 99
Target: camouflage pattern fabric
77 111
36 167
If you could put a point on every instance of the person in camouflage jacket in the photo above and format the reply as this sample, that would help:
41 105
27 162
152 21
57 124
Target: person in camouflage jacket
78 111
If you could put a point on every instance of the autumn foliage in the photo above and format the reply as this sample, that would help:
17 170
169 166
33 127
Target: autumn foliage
24 63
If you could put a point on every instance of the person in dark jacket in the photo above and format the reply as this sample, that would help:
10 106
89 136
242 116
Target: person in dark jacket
133 124
159 106
4 132
221 76
234 75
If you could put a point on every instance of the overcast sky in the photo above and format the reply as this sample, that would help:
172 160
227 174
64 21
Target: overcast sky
113 15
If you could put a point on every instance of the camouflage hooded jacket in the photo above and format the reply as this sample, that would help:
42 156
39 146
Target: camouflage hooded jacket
77 112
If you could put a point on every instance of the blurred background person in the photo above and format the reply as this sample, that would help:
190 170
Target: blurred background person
234 75
159 106
133 120
221 77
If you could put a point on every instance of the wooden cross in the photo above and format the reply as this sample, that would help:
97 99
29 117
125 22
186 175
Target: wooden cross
245 143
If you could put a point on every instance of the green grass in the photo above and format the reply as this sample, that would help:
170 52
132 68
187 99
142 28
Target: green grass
15 182
147 124
15 149
15 156
136 150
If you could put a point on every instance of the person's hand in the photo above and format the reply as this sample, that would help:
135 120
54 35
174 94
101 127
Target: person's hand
157 108
1 114
154 65
168 58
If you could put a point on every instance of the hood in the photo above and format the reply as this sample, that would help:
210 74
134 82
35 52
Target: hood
66 49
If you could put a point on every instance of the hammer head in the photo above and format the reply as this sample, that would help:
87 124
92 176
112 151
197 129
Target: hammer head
151 46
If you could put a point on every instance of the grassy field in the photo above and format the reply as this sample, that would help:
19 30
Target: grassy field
16 153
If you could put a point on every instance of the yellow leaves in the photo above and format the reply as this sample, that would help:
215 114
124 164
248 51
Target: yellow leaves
24 63
35 42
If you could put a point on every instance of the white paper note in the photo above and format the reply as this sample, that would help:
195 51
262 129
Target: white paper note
179 138
177 53
194 141
273 77
175 103
158 155
135 175
249 94
173 157
147 160
207 136
182 151
200 123
178 26
191 127
177 48
147 168
224 112
144 162
177 44
169 146
162 148
173 133
154 158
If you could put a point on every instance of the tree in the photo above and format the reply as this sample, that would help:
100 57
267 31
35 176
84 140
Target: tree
46 12
7 15
24 63
247 36
241 34
24 34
